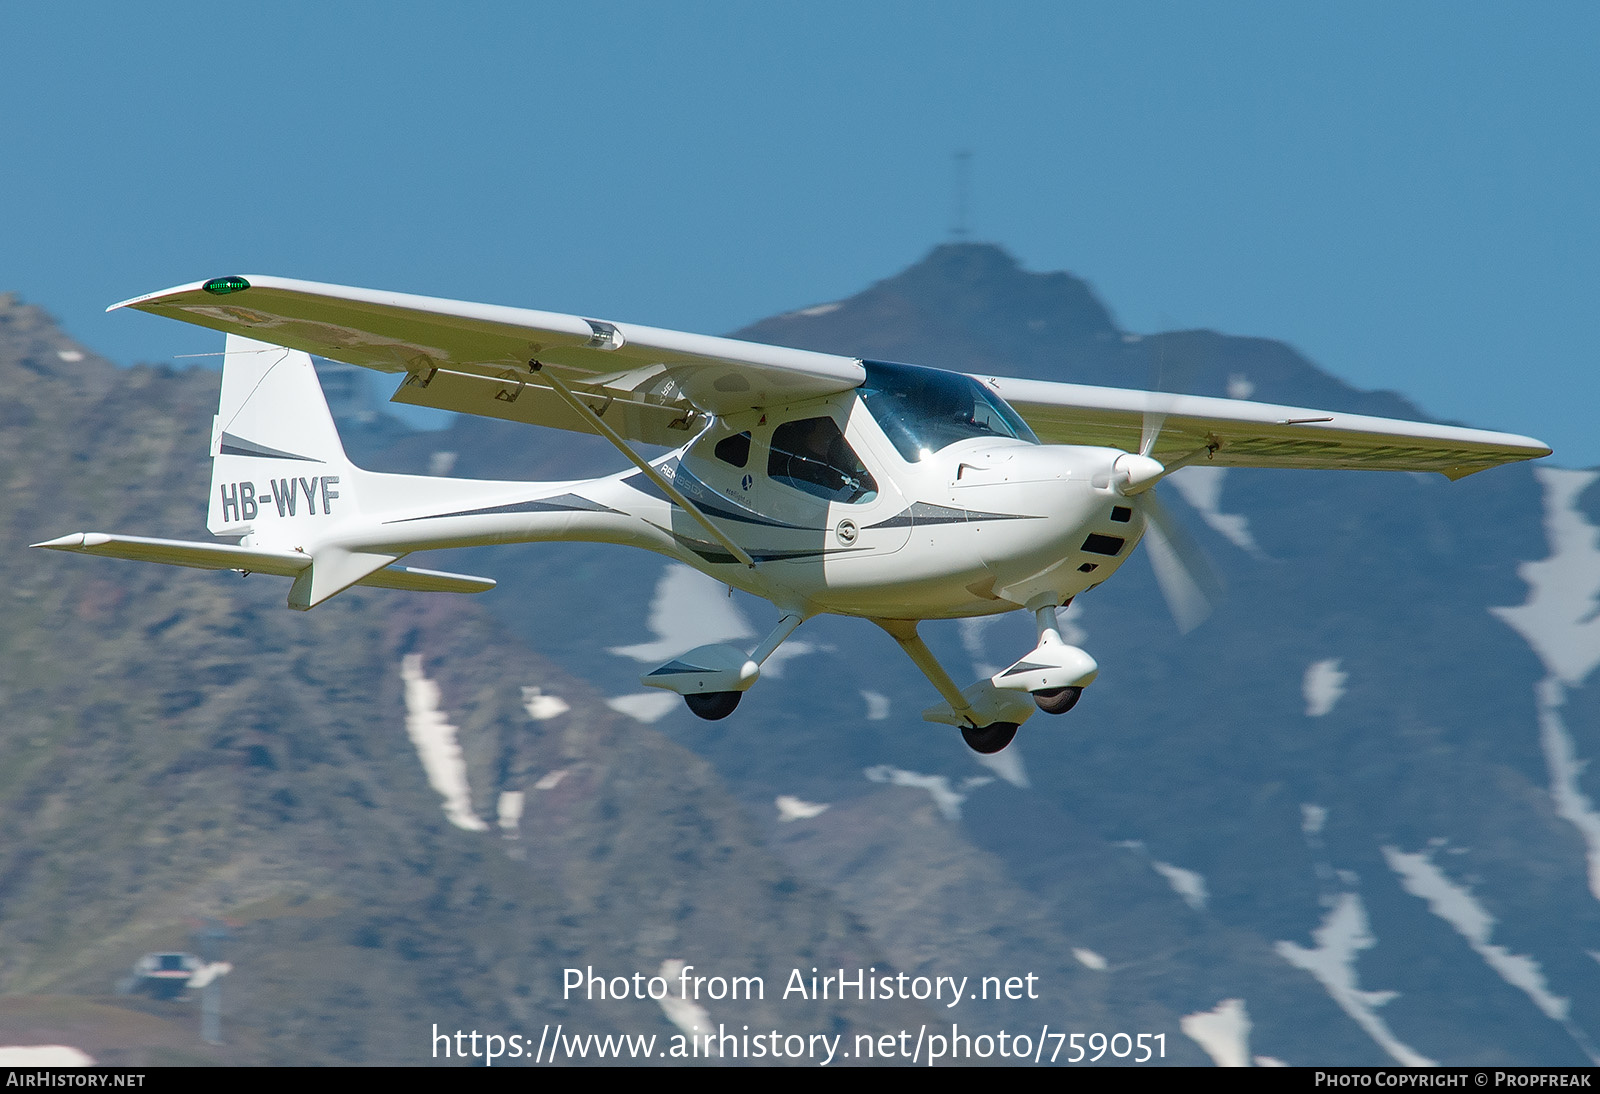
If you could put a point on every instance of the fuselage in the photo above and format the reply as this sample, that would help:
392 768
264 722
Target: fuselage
920 495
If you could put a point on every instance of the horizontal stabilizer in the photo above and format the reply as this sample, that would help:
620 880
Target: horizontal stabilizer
261 560
177 552
416 580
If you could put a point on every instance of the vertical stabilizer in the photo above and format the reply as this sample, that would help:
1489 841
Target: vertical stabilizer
278 468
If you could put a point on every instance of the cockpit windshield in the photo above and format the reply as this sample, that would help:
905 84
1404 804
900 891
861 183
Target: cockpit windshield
924 409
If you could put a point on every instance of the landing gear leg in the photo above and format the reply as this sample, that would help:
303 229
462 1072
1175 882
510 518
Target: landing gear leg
988 717
1053 700
1053 672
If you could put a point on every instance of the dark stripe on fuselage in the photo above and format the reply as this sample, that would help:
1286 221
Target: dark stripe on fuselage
716 553
561 503
925 513
674 668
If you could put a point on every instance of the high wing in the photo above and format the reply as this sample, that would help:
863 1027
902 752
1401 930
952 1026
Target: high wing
648 384
1236 433
652 385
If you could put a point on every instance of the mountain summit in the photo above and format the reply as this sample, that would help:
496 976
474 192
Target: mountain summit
973 308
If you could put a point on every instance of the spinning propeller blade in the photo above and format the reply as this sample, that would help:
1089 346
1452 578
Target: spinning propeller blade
1155 416
1187 579
1156 402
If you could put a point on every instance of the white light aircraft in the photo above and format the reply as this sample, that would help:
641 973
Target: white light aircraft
822 483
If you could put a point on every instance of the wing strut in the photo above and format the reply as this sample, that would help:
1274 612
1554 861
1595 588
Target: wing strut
638 461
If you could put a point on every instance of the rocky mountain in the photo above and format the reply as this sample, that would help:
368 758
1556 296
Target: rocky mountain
1347 820
400 833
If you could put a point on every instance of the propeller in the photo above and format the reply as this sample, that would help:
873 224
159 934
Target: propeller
1187 579
1188 582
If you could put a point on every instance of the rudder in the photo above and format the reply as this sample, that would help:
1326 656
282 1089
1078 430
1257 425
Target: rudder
276 455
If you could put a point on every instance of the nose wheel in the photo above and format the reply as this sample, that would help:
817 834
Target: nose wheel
989 739
714 705
1057 700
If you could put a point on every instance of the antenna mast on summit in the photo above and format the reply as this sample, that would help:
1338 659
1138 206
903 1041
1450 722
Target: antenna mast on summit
958 228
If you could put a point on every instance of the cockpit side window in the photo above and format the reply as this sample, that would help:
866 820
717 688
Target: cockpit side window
924 409
812 455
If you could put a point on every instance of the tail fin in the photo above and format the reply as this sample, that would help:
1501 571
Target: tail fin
277 463
280 478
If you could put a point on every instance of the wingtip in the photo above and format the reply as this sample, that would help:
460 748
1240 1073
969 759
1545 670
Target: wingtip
135 301
63 543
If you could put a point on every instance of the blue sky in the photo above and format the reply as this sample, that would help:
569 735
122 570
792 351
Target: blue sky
1407 193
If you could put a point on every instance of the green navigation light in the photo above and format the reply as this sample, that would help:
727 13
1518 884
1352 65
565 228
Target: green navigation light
222 286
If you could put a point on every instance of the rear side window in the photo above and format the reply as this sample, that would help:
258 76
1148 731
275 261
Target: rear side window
812 455
734 449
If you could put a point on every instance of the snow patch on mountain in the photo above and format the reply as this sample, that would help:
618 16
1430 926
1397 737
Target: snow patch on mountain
1008 765
1561 622
972 631
645 706
1201 487
877 705
1190 886
1089 959
791 808
690 609
1186 883
1561 758
947 798
1561 618
1224 1032
1332 960
1312 819
689 1016
508 812
1323 686
435 741
542 707
1069 624
1456 906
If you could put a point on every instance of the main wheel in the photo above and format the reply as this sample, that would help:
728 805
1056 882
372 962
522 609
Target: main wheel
712 705
1057 700
991 738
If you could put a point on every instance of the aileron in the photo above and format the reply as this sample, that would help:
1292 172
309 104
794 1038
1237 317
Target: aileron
1237 433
